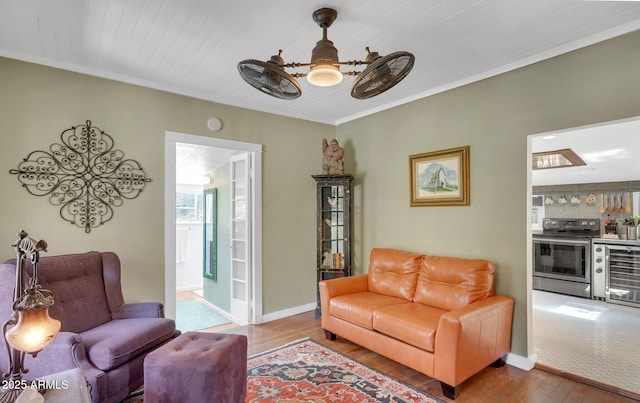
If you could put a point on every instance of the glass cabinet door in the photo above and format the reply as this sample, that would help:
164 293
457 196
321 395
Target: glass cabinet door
334 227
333 221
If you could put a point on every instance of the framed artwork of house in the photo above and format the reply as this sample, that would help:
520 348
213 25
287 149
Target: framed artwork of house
440 178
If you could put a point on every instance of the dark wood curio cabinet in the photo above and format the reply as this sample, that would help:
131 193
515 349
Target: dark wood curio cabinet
333 249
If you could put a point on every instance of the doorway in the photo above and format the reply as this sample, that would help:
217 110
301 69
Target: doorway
583 337
250 309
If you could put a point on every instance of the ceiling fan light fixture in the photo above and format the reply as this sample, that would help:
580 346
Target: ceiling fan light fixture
324 75
325 70
381 73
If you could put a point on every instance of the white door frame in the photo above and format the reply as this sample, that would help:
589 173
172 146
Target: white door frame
255 153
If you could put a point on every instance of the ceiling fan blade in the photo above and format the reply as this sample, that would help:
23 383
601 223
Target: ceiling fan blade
382 74
269 78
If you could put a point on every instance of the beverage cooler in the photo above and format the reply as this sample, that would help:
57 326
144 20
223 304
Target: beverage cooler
616 272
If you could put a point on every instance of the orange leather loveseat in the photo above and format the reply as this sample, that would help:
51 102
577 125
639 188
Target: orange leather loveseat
437 315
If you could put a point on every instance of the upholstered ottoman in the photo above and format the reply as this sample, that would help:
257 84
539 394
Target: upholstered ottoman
197 367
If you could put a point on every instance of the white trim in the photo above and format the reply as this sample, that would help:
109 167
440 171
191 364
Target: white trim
584 127
521 362
256 244
178 137
529 251
218 310
255 150
169 228
189 288
289 312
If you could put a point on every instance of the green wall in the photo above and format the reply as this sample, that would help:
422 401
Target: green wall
219 292
37 103
494 117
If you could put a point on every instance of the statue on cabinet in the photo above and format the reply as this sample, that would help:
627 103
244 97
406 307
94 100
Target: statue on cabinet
332 154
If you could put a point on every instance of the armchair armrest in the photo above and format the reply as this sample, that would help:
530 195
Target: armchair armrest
66 352
470 338
139 310
56 357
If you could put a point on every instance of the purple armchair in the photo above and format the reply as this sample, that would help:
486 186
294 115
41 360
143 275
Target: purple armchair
101 334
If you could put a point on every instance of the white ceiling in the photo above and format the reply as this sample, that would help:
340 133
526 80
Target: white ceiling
194 161
610 151
192 47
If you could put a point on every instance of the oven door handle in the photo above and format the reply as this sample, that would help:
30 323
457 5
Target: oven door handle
563 241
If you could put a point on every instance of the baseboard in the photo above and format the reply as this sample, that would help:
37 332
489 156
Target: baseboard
288 312
612 389
218 310
521 362
189 288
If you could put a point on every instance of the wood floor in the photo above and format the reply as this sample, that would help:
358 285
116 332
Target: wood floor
506 384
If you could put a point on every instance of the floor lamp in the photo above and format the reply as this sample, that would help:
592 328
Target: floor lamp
30 328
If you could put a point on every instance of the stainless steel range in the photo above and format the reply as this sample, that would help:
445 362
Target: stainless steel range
562 255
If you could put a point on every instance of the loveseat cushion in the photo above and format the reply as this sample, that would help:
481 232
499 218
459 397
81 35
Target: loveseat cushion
358 308
410 322
393 272
450 283
118 341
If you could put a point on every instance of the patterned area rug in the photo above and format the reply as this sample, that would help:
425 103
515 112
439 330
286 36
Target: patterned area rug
307 372
192 315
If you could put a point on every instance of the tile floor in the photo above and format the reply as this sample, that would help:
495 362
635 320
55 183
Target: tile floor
593 339
197 295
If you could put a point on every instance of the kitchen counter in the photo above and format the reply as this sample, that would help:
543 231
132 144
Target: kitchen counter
616 241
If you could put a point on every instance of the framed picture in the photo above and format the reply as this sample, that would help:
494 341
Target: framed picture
440 178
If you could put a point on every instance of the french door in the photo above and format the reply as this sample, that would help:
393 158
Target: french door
240 236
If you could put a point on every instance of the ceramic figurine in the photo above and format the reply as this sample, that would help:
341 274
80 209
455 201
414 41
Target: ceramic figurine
332 155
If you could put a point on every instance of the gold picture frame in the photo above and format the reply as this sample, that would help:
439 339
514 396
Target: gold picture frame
440 178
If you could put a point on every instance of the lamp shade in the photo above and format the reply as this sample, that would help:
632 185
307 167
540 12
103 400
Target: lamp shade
324 65
34 331
324 75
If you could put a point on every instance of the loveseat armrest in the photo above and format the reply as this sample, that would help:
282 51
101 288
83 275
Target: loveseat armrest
139 310
470 338
343 285
340 286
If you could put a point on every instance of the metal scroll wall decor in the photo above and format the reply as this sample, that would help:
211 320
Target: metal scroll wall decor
84 175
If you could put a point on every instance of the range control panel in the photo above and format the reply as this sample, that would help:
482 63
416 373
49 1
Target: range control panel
571 225
599 274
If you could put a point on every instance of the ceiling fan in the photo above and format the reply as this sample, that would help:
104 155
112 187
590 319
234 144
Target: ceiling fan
381 73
